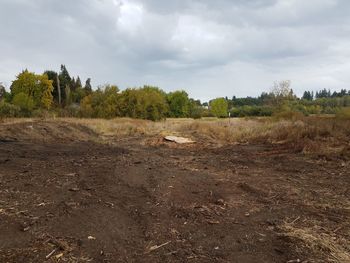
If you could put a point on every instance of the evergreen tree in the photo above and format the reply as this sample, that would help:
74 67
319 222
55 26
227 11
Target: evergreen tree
73 84
88 87
78 82
65 81
307 95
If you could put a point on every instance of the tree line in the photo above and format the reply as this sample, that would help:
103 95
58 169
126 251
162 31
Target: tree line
61 94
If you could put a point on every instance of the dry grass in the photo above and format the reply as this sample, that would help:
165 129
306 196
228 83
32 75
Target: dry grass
321 243
117 127
325 136
15 120
321 135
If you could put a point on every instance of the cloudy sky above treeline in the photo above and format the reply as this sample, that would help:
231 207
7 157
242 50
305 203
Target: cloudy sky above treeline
208 48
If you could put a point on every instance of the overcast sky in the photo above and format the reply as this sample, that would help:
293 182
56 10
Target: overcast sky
208 48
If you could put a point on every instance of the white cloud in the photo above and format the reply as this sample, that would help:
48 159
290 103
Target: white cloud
130 17
210 48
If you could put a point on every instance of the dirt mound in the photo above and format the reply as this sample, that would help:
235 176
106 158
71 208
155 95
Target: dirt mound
45 131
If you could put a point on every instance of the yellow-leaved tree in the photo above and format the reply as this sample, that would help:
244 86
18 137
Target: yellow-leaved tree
36 88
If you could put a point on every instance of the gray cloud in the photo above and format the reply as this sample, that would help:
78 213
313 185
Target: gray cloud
209 48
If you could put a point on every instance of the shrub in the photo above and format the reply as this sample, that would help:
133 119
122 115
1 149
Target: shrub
248 111
8 110
196 112
24 102
42 113
288 115
343 114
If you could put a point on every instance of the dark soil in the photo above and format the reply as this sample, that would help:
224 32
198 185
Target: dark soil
134 202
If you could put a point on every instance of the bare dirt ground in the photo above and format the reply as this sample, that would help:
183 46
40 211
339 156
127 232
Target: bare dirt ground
67 197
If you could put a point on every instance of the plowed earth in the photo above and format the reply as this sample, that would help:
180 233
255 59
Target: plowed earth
65 197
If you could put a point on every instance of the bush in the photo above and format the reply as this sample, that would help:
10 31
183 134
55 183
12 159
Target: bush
42 113
248 111
8 110
196 112
289 115
343 114
24 102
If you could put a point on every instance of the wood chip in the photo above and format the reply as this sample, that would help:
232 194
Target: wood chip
51 253
153 248
59 256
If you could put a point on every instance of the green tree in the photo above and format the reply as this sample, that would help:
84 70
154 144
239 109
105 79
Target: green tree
77 95
219 107
88 87
77 92
65 84
78 83
2 91
307 95
145 103
102 103
196 109
179 104
154 103
75 84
